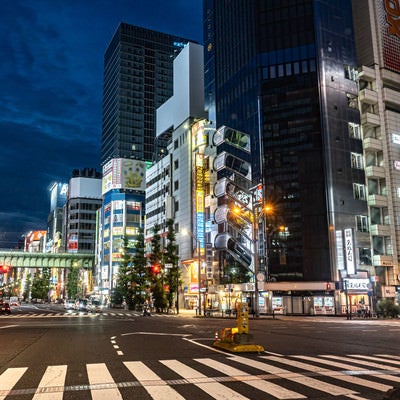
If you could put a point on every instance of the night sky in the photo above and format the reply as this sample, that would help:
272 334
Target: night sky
51 74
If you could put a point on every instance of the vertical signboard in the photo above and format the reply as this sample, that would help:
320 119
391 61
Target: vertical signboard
349 251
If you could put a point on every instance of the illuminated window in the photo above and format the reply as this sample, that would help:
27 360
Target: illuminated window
357 161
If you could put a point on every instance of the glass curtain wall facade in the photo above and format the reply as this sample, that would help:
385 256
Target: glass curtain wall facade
137 80
279 70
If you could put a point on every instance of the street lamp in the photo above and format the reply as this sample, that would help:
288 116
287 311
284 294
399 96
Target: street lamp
187 232
255 215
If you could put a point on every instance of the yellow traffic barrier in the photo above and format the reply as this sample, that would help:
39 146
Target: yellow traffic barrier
238 339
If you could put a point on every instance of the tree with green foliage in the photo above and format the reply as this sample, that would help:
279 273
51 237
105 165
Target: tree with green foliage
155 272
387 308
41 284
139 261
28 287
125 277
72 282
172 276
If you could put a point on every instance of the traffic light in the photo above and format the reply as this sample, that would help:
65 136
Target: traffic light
4 269
155 269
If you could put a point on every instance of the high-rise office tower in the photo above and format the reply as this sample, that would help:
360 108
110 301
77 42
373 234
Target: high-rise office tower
137 80
284 72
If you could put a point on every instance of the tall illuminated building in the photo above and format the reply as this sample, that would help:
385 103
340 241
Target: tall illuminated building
137 80
285 73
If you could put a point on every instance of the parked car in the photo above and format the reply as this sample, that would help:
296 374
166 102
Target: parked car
5 308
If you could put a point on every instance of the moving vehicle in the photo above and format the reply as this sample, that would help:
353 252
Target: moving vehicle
5 308
95 306
69 304
81 305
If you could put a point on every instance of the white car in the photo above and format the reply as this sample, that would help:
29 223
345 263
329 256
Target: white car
69 304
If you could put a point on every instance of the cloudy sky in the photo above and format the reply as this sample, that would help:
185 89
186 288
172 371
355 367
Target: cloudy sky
51 73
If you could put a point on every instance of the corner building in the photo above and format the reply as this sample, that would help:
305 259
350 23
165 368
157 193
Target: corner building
283 71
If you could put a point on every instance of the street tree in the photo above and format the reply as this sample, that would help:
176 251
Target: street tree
156 273
41 284
139 261
72 283
172 275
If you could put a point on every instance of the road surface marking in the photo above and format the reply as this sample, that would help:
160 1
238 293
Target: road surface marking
339 375
100 380
295 377
251 380
51 386
154 385
203 382
9 378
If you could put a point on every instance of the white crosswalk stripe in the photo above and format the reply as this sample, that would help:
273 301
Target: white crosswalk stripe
265 386
339 375
153 384
52 384
348 376
101 383
8 379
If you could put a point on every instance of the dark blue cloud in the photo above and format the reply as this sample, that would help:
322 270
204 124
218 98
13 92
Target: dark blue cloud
51 74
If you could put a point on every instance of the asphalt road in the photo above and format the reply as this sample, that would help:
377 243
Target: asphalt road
49 354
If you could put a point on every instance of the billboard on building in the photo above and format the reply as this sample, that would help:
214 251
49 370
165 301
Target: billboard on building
122 173
58 195
389 22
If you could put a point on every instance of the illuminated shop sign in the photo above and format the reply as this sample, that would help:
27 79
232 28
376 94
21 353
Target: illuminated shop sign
349 249
357 284
199 186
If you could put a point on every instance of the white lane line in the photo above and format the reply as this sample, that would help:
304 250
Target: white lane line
8 379
51 386
154 385
251 380
8 326
104 387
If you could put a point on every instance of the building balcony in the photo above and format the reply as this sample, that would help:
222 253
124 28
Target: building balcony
368 96
389 77
367 73
371 143
374 171
379 230
377 200
391 96
370 119
383 261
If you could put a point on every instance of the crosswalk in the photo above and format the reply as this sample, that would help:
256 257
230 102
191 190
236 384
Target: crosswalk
76 314
236 377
